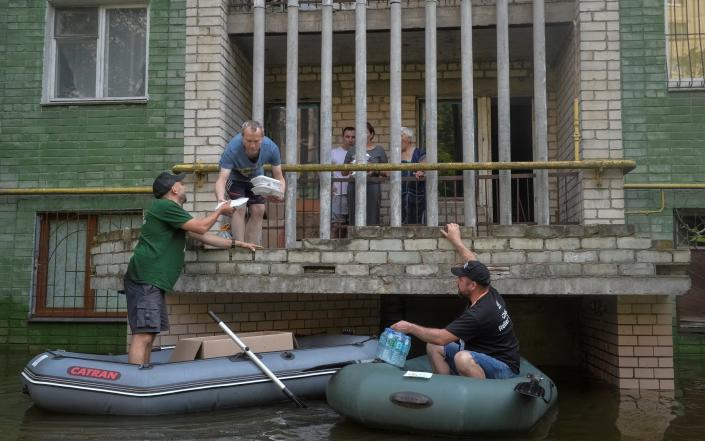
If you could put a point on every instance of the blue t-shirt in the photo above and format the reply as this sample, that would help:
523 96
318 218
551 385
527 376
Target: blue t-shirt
243 169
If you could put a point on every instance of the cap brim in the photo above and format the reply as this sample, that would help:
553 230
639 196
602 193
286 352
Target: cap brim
457 271
179 177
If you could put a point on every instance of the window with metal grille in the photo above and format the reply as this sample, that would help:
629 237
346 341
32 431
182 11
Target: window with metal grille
689 227
63 265
685 43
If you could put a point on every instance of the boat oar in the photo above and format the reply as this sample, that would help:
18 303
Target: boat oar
256 360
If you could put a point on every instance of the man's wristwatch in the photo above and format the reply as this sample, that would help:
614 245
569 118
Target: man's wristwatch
233 243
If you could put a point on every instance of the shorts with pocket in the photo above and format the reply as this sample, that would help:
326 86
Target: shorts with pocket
146 308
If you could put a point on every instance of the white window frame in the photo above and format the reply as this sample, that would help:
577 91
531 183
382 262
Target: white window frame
677 83
49 77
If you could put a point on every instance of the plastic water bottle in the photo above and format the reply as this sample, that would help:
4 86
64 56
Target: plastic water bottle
382 344
398 357
406 348
388 354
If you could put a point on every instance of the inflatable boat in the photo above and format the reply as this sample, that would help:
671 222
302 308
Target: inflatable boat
103 384
412 399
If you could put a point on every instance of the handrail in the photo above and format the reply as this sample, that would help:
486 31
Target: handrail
665 186
598 165
592 164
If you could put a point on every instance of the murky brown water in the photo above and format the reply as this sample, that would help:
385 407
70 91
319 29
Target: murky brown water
585 411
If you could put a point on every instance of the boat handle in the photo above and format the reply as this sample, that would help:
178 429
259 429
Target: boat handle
411 399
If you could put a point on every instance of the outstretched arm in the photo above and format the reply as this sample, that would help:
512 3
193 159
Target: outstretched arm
202 225
429 335
452 233
220 183
222 242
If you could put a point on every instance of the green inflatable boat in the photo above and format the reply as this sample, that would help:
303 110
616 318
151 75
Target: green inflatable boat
412 399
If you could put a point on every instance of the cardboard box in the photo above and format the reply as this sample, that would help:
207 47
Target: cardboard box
223 346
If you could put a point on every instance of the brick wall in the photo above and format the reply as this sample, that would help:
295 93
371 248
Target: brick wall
628 340
663 130
600 108
303 314
75 146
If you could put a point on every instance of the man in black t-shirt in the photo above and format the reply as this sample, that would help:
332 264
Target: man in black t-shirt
481 342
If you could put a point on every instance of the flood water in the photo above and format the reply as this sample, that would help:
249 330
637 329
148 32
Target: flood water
586 410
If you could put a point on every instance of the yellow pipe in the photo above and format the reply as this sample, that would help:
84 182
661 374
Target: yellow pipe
576 129
86 190
647 212
665 186
597 164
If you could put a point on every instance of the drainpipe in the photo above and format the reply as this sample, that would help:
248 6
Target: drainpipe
395 109
361 110
326 115
541 209
431 115
504 134
466 59
292 108
258 62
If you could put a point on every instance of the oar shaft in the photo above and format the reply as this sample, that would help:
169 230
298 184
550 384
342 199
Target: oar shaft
252 356
256 360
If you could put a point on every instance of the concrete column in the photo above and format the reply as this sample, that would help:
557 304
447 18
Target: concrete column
469 179
504 134
431 114
395 109
258 62
326 114
541 206
361 111
292 108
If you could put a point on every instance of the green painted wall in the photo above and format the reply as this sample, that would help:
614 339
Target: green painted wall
75 146
664 131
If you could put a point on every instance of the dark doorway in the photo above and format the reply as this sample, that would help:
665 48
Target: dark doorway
521 133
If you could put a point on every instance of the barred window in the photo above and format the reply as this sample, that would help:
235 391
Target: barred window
689 226
685 43
63 264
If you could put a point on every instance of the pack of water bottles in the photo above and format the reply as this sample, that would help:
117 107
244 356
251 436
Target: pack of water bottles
393 347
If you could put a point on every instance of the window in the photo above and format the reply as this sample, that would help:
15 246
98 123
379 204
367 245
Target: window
685 43
63 265
96 53
689 228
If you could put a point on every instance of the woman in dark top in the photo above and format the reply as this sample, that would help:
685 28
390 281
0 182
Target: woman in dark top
413 187
375 155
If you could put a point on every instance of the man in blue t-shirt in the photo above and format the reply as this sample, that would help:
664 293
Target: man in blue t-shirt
243 159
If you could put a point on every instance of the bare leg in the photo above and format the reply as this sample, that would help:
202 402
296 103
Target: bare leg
237 224
253 230
435 354
141 348
466 365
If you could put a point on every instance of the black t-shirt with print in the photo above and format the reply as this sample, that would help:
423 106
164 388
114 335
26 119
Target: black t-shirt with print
486 327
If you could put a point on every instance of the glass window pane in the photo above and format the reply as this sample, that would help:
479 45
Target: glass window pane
126 52
66 263
76 22
75 68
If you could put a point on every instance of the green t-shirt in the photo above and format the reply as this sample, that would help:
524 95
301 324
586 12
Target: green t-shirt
159 256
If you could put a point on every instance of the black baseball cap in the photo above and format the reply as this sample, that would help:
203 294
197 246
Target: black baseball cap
164 182
473 270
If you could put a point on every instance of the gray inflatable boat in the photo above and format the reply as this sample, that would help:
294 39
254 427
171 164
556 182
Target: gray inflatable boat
106 384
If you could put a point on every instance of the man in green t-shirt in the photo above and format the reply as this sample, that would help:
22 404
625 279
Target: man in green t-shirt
159 259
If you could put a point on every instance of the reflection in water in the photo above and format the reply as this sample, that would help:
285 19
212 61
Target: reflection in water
644 415
585 411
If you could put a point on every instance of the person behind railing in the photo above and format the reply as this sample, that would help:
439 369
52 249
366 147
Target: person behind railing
158 260
413 186
243 159
339 208
480 343
375 155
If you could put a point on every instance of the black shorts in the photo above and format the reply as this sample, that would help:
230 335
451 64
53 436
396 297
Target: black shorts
146 308
243 189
